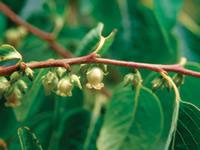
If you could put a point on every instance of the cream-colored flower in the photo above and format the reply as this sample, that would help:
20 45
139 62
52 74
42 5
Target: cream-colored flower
13 97
49 81
4 85
95 78
64 87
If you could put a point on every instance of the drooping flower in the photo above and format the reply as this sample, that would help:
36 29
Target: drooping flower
95 78
64 87
13 97
49 81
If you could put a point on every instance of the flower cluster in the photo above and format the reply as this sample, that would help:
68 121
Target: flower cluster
14 87
62 82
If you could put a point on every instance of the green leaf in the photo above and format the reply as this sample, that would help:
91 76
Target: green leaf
188 131
28 140
95 41
168 102
63 107
134 118
9 53
29 98
167 12
8 119
138 31
189 90
73 129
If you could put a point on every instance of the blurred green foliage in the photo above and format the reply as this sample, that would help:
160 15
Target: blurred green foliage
151 31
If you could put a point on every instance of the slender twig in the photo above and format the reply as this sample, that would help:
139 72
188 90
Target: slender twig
88 59
48 37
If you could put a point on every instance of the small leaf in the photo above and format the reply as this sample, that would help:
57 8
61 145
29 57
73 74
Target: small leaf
9 53
28 140
188 131
95 41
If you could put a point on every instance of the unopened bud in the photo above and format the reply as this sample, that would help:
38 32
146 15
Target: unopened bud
129 78
29 73
22 31
22 86
60 71
178 79
12 36
158 83
15 76
75 80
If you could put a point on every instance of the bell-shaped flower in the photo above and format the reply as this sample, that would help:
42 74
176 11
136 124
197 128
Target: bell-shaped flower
13 97
49 81
95 77
64 87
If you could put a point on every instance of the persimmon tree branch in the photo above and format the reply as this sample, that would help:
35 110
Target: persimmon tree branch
48 37
93 59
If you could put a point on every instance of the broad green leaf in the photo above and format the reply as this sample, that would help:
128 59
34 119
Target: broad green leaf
134 119
9 53
73 129
95 41
40 124
29 98
188 130
190 44
168 102
189 90
8 119
28 140
63 107
37 49
167 12
139 37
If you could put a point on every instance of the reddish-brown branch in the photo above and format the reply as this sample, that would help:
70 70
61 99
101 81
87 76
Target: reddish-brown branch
93 59
36 31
